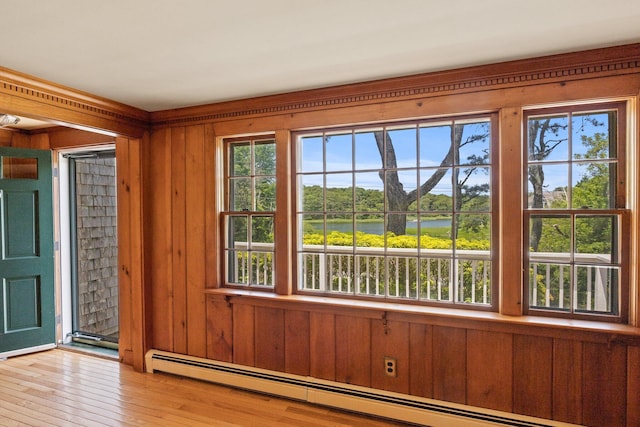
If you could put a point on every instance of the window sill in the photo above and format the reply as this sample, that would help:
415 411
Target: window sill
472 319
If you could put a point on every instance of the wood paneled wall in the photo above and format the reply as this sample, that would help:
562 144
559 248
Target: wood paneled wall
568 373
176 206
578 377
134 298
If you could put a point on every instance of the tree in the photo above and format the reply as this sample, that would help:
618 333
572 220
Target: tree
253 194
398 200
545 135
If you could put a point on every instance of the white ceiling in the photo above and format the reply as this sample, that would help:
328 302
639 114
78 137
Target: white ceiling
163 54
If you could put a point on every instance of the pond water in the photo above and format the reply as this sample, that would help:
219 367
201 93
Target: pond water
378 227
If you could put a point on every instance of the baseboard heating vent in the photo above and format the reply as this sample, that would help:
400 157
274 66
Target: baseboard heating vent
396 406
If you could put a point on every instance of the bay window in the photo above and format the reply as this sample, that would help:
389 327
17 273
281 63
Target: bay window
408 212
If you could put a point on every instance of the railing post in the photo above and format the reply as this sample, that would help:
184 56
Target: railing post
602 297
561 287
322 264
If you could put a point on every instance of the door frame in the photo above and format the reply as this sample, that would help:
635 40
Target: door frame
62 223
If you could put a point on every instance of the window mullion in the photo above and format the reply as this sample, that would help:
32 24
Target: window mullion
284 215
510 223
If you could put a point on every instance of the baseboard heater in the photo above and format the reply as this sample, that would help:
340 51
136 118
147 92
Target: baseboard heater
395 406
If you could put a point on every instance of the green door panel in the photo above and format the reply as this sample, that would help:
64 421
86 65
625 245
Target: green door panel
22 303
20 211
27 301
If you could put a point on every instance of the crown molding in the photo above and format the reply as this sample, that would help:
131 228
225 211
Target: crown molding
26 95
22 94
588 64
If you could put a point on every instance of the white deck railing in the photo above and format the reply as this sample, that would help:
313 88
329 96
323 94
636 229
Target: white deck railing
397 272
430 274
595 274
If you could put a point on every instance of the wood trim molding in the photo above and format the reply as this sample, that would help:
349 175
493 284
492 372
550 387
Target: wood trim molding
33 97
26 95
561 68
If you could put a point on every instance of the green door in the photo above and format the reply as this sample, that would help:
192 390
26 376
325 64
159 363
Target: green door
27 304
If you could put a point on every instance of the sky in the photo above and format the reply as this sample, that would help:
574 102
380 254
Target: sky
556 166
418 151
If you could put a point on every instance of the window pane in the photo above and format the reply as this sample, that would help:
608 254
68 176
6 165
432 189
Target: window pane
265 157
261 255
398 183
436 197
19 168
340 272
371 271
548 138
405 146
597 289
265 194
339 152
240 159
238 232
473 231
591 136
473 280
311 193
550 285
310 154
473 189
435 143
237 254
339 193
593 185
369 192
312 229
238 267
547 186
473 143
550 238
370 230
339 228
261 268
262 231
240 198
595 239
402 271
435 278
367 155
311 270
435 232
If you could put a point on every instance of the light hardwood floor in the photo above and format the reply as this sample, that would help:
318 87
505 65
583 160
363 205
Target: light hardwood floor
63 388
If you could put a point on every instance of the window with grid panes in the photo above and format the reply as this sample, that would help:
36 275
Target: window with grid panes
575 216
398 212
250 202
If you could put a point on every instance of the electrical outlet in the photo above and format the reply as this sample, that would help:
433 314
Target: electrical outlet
390 366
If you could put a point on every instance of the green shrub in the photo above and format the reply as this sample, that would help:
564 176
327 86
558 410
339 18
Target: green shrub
336 238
